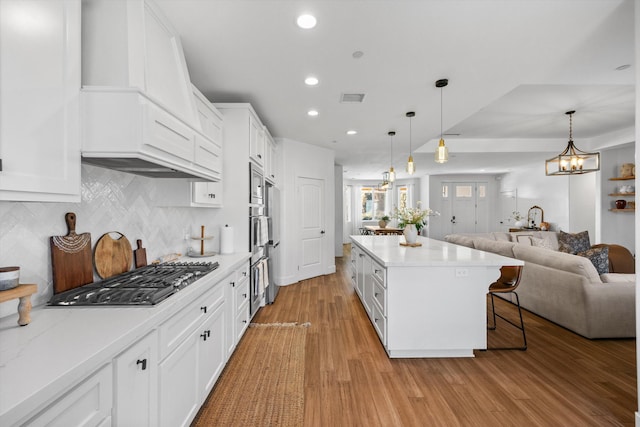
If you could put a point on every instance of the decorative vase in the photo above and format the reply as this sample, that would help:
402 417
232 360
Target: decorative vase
621 204
519 224
410 233
382 223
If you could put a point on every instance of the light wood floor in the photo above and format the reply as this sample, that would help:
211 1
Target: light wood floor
561 380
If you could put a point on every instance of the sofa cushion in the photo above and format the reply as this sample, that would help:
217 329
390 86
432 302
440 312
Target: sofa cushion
599 257
542 243
573 243
495 246
502 236
523 239
459 239
558 260
618 278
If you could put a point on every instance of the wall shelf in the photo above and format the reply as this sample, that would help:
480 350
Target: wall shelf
622 194
626 178
623 210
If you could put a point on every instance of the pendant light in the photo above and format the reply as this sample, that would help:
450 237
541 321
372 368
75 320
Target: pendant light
572 161
442 153
410 166
392 172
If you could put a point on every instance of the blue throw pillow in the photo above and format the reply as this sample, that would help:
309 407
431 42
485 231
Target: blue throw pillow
599 257
572 243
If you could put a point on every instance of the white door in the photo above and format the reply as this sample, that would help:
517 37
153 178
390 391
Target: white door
311 222
465 207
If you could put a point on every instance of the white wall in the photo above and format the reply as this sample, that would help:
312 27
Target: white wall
551 193
304 160
339 209
111 201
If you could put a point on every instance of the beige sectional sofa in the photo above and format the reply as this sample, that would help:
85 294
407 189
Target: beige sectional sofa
561 287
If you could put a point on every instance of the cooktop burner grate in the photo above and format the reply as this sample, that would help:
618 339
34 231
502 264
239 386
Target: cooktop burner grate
144 286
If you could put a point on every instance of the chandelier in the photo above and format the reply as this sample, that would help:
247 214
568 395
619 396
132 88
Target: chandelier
572 161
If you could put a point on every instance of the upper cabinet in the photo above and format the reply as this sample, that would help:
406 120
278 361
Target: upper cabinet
39 105
271 158
256 140
140 114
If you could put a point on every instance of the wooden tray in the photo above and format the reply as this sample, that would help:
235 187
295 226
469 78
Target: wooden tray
411 245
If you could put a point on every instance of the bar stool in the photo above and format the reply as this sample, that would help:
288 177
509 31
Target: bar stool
507 283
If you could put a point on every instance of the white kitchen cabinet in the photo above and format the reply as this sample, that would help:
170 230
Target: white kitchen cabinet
207 194
136 384
237 293
212 350
179 384
194 343
209 144
271 159
256 140
39 106
87 404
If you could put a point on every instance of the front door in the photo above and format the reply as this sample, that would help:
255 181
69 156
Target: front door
468 209
312 222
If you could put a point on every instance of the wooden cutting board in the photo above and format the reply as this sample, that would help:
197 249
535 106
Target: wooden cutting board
112 255
140 255
71 258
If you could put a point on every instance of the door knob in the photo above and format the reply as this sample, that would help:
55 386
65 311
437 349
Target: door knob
453 219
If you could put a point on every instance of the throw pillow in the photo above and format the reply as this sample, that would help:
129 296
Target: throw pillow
541 243
572 243
524 239
599 257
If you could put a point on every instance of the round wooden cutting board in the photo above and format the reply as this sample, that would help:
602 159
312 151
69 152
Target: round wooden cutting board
112 255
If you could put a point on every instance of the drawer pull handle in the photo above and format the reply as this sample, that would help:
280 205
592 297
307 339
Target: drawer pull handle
204 309
377 271
142 362
376 320
244 295
361 255
233 284
376 294
205 334
244 321
244 273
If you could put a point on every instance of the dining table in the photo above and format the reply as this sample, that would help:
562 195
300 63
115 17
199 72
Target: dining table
375 229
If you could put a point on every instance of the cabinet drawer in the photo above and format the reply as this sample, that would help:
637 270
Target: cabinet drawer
87 404
379 273
242 320
380 297
243 273
182 324
242 294
379 324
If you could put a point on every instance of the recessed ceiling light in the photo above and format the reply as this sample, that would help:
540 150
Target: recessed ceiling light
351 132
312 113
357 54
623 67
306 21
311 81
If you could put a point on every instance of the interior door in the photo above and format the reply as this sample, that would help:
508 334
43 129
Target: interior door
311 222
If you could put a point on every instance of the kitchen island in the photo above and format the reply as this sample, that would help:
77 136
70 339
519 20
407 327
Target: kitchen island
425 301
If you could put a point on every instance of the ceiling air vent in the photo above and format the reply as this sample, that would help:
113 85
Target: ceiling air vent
352 97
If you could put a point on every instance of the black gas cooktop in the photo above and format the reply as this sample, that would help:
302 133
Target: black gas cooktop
143 286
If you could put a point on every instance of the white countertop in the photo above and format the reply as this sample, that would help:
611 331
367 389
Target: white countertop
388 252
62 345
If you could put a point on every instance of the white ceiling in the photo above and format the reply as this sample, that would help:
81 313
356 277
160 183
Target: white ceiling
514 68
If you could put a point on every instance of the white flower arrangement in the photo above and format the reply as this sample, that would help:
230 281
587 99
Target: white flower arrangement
517 216
415 216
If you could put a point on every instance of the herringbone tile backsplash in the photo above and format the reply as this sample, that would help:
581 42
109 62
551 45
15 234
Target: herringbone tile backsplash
111 201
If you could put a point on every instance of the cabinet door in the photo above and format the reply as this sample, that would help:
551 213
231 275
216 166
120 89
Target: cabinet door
88 404
207 193
256 141
136 384
229 283
178 385
39 106
367 291
212 352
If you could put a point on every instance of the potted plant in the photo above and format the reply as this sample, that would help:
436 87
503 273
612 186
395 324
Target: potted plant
412 220
383 221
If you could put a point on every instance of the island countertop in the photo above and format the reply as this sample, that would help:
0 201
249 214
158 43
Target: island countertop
389 253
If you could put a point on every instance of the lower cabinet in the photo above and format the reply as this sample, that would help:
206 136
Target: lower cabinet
87 404
212 352
135 373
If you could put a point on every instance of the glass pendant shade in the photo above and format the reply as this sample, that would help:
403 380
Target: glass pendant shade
572 161
392 174
410 166
442 153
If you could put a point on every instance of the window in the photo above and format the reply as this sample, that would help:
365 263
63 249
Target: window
373 203
403 197
464 191
347 203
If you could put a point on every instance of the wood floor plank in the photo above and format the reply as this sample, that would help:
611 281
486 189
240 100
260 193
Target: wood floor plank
562 379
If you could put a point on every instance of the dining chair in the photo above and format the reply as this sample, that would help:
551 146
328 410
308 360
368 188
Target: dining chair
506 284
